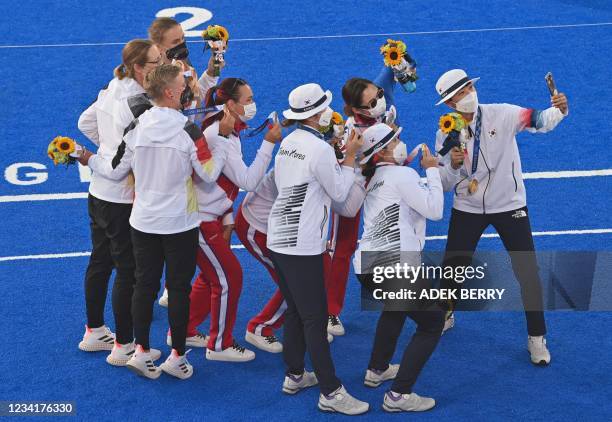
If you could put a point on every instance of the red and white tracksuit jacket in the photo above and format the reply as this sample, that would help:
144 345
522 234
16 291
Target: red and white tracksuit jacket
218 286
252 228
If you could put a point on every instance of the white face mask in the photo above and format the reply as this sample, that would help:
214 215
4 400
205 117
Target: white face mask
468 104
400 153
249 112
325 118
379 110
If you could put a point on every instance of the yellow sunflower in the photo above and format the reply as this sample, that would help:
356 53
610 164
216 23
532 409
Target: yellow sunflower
447 123
223 33
393 56
64 144
337 118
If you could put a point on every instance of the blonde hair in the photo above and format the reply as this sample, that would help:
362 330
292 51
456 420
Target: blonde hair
134 52
159 78
159 27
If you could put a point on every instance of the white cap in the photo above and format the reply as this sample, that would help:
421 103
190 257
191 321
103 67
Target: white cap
450 83
375 138
306 101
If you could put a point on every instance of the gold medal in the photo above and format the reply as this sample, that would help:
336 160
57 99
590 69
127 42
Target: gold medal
473 186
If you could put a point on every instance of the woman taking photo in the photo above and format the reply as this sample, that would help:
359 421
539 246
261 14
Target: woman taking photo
217 288
308 177
110 205
395 212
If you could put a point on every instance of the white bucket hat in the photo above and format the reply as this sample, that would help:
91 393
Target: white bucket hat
451 82
306 101
375 138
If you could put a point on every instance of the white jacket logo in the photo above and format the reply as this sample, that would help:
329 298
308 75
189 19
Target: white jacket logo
291 154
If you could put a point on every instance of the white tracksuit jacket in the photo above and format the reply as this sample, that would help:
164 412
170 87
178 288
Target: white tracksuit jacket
499 172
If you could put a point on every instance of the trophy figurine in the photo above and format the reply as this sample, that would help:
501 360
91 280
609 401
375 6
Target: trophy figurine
216 37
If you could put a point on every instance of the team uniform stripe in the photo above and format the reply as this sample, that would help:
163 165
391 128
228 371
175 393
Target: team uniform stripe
210 255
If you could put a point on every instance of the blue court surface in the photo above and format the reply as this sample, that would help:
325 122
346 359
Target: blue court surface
57 55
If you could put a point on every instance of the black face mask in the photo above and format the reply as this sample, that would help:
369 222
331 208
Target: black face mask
186 96
179 52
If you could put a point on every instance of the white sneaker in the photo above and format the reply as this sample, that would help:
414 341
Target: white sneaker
199 340
121 354
177 366
97 339
395 402
334 325
295 383
141 363
449 322
342 402
374 378
265 343
538 350
163 300
330 338
234 353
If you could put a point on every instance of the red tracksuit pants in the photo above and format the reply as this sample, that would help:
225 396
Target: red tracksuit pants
337 266
217 288
272 315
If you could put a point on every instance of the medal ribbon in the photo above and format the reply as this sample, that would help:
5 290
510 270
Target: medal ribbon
476 151
311 130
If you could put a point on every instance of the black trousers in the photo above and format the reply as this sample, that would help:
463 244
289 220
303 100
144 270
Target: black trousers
430 322
178 252
112 248
302 284
514 229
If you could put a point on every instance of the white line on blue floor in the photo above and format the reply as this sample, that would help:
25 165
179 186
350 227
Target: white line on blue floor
318 37
430 238
528 176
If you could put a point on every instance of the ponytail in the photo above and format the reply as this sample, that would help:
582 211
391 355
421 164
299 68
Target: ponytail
369 168
120 71
210 99
228 89
289 122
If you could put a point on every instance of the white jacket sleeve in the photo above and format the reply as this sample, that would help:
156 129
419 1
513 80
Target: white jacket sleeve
449 176
88 124
336 180
532 120
354 200
247 178
116 169
206 82
426 200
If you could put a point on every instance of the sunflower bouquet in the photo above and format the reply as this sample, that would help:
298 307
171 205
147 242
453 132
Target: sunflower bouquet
217 38
62 150
335 129
451 124
395 55
333 133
